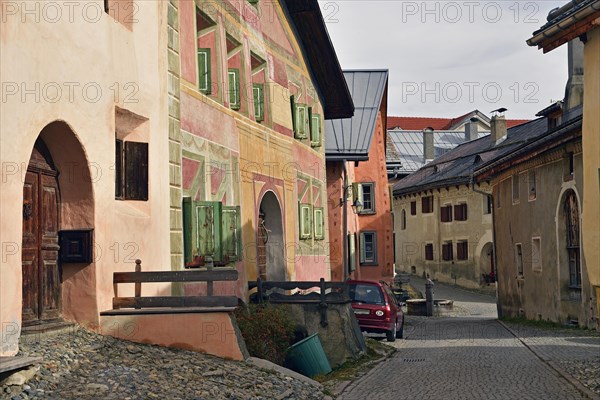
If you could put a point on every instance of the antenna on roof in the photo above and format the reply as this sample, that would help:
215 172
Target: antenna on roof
501 110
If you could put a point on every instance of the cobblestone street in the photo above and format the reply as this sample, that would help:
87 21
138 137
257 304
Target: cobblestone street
470 355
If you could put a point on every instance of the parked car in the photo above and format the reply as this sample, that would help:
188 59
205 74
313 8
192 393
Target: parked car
377 309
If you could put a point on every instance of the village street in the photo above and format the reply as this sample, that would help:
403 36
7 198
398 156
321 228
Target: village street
470 355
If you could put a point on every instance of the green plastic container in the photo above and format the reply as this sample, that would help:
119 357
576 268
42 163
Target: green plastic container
308 357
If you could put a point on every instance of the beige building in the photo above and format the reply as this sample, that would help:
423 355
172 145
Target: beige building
443 228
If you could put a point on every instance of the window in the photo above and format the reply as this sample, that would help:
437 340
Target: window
315 129
536 254
352 252
413 208
234 88
299 119
403 220
429 251
131 170
571 163
462 250
447 251
532 185
258 94
366 194
446 213
368 248
519 258
366 293
211 229
515 188
571 215
204 78
427 204
305 221
460 212
319 223
487 204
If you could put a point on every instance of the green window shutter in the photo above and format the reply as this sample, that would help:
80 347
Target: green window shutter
301 121
293 107
231 232
319 223
362 248
188 252
357 192
234 88
352 251
259 102
208 234
305 217
204 78
315 130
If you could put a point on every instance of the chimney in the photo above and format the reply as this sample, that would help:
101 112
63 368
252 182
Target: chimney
471 129
574 89
428 152
498 126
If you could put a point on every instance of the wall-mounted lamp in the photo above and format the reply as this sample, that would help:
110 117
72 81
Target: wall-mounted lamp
357 205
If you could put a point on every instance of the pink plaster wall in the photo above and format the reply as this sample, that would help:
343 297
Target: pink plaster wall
187 40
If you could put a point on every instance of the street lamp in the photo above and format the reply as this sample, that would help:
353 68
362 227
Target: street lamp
357 205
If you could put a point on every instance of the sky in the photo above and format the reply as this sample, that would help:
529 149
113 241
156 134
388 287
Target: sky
447 58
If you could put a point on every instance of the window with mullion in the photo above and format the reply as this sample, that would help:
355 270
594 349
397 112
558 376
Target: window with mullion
368 197
368 248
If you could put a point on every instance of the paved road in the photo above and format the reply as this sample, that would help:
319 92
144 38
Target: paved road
463 357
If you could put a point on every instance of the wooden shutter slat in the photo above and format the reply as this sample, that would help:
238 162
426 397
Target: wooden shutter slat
136 171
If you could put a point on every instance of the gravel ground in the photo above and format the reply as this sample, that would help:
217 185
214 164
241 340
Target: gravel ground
84 365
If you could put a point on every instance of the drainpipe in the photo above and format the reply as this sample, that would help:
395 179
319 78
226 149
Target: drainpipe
345 231
498 308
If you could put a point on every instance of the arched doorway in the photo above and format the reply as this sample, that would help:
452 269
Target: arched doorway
270 242
486 264
41 218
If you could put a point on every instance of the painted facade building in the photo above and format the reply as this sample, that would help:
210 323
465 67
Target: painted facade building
361 243
251 93
582 20
443 228
84 189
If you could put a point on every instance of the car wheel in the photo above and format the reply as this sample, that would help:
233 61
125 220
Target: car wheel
400 332
391 334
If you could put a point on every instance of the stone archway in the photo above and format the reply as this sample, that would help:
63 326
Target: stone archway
57 196
486 262
271 244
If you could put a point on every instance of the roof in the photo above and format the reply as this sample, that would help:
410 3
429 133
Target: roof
408 147
307 23
350 138
420 123
566 23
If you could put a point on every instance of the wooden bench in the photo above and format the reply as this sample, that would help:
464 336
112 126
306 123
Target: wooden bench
194 303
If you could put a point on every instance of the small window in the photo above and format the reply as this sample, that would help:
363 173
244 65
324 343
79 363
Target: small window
519 258
462 250
367 197
305 221
446 213
234 88
368 248
487 204
403 220
319 223
532 185
204 79
427 204
447 251
536 254
413 207
460 212
131 170
258 94
315 129
515 188
299 119
429 251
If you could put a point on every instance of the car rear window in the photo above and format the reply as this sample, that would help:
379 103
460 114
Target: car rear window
364 293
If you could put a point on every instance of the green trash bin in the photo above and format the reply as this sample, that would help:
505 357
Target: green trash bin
308 357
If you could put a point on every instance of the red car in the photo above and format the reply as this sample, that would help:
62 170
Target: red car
377 309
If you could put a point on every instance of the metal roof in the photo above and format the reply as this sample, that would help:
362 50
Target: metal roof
350 138
408 147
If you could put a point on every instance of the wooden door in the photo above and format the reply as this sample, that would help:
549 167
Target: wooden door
41 277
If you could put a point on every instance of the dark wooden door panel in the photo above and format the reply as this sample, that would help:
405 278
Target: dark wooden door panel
50 293
30 286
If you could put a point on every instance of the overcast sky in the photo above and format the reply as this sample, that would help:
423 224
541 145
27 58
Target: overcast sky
447 58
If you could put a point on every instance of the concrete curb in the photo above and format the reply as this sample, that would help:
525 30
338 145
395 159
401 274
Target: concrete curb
265 364
578 385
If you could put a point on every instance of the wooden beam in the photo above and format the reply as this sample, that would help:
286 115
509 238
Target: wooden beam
174 301
217 274
14 363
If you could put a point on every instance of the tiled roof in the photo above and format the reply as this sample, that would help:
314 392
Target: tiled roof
420 123
350 138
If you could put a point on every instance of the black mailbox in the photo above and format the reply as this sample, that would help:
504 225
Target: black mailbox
77 246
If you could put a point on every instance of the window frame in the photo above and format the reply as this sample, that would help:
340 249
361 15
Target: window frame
429 254
305 222
430 202
259 101
207 72
413 207
462 248
461 212
448 251
128 185
363 255
235 103
403 220
318 223
361 192
315 129
446 213
488 204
